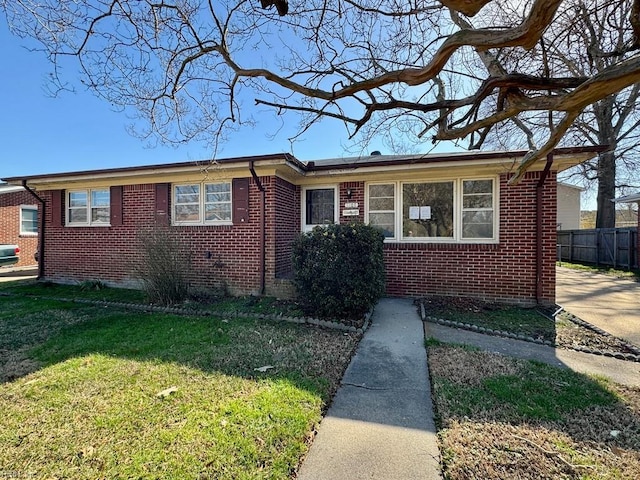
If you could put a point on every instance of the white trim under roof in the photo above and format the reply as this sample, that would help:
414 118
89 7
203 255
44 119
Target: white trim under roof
634 197
6 188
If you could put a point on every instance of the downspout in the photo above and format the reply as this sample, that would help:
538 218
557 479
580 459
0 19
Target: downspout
539 226
40 229
263 227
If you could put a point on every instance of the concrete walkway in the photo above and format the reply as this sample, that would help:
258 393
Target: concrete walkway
613 304
380 425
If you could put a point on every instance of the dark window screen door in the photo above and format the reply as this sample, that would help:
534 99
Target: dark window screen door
320 206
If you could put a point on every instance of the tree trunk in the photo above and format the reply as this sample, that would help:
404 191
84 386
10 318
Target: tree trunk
606 216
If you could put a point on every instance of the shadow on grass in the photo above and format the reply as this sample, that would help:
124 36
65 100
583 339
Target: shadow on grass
121 394
55 331
533 419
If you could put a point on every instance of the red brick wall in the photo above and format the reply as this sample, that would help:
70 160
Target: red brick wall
10 226
285 225
357 196
230 255
220 256
505 271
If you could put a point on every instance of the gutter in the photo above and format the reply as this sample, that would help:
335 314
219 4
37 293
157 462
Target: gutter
263 227
539 223
41 224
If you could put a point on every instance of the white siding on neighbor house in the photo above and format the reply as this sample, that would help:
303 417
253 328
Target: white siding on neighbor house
568 206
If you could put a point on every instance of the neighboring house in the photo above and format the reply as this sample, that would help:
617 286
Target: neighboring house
568 206
453 225
19 222
633 198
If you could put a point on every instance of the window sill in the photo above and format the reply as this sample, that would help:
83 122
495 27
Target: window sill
454 245
87 225
191 224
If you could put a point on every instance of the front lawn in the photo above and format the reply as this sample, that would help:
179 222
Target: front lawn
503 418
100 392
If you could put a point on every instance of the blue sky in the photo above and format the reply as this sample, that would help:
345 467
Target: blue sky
40 134
77 131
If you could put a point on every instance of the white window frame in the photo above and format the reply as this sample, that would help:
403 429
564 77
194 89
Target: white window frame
303 205
31 208
88 208
201 204
395 207
484 209
457 210
401 205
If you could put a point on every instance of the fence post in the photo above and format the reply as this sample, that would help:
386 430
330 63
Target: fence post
571 246
629 249
615 249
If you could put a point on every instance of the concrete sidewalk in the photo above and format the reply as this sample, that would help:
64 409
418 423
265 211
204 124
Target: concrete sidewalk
610 303
380 425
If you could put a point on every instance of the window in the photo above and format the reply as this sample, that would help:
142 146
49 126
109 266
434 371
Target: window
477 209
89 207
427 210
28 220
217 202
187 204
320 206
207 203
434 211
382 208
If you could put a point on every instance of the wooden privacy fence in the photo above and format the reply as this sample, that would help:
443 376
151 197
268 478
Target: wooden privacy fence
615 247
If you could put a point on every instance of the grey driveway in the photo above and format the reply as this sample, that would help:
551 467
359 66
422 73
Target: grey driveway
613 304
12 274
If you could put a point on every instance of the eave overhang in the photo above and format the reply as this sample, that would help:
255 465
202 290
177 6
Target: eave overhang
288 167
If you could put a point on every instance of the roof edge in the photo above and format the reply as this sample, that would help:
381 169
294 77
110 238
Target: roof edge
634 197
311 166
287 157
447 157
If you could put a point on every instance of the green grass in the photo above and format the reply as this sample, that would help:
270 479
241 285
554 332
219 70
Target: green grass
632 274
85 291
81 383
503 418
200 301
532 392
518 320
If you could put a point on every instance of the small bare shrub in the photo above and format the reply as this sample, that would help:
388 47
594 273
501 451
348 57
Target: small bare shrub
164 266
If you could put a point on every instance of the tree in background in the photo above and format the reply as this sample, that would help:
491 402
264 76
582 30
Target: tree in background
189 66
586 39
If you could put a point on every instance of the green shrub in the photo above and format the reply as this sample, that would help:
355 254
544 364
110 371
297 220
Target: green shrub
339 269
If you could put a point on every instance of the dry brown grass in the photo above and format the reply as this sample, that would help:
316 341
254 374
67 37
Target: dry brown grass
470 368
482 435
492 450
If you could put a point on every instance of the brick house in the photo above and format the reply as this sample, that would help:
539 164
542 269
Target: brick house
452 224
19 222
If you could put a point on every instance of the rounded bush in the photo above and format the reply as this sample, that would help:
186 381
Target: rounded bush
339 269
